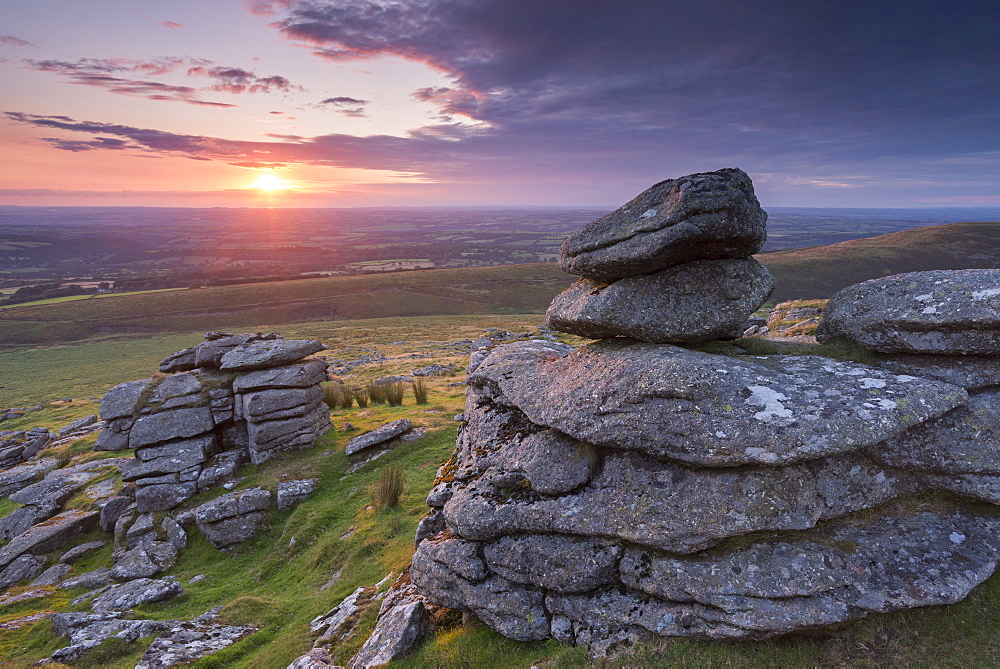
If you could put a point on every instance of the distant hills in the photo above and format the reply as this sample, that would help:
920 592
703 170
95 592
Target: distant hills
821 271
802 274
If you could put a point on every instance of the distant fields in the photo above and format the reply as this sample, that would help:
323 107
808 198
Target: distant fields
815 272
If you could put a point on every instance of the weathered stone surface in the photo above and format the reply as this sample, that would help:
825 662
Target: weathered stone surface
270 353
174 424
317 658
49 535
176 391
514 610
143 530
965 440
378 436
78 424
22 476
274 404
233 517
209 353
19 569
395 635
952 312
269 438
221 467
694 302
699 216
164 496
645 501
707 409
431 524
88 630
129 595
182 361
72 554
186 642
174 532
111 511
169 458
293 492
968 371
146 559
52 575
90 580
339 620
554 562
296 375
121 400
233 504
114 436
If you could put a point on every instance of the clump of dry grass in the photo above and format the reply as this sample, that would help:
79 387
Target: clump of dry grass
388 488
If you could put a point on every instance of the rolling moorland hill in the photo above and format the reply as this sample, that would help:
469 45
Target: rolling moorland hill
815 272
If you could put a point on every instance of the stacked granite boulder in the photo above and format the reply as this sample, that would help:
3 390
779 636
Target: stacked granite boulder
942 325
632 488
17 446
230 399
671 265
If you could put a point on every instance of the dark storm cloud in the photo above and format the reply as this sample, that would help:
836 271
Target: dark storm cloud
835 85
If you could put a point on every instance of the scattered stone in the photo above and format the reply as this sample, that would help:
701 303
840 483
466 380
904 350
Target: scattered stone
49 535
701 216
293 492
52 575
22 476
175 533
339 620
317 658
378 436
91 580
75 552
951 312
395 635
21 568
694 302
78 425
186 642
88 630
146 559
127 596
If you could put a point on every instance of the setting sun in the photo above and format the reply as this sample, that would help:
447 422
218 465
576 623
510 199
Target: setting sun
270 182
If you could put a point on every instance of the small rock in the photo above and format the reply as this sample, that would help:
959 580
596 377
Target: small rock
378 436
293 492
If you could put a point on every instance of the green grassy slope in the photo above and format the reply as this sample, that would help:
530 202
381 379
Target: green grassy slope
823 270
504 289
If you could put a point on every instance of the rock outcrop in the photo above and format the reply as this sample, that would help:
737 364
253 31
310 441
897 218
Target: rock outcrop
231 398
629 489
672 265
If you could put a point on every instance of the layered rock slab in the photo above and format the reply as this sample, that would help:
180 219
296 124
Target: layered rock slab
694 302
951 312
700 216
706 409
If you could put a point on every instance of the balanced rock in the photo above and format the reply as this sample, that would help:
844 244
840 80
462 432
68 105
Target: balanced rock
700 216
693 302
950 312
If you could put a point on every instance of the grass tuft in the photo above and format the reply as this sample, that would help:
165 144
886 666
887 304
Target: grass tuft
387 490
393 393
420 391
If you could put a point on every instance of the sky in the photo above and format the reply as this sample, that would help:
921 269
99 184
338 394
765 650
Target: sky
343 103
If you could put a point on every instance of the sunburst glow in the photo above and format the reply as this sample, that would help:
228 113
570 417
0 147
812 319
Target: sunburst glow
270 182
